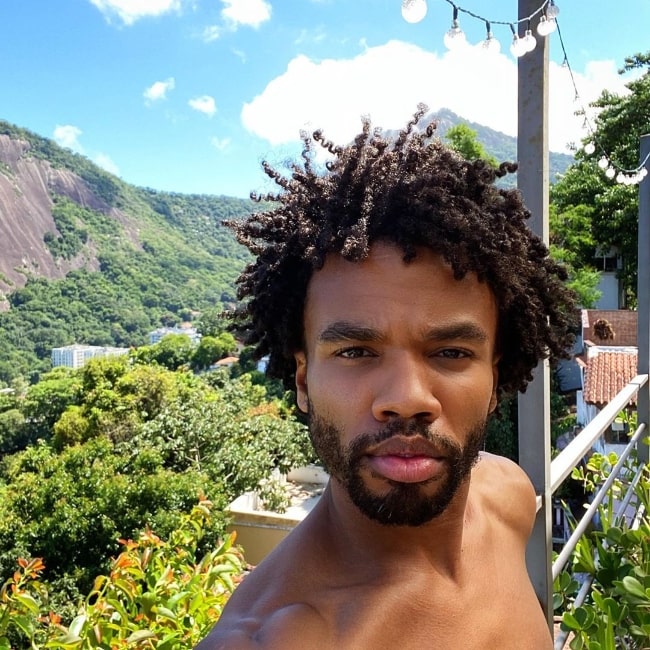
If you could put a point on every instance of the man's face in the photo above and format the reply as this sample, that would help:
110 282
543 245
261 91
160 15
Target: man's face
398 377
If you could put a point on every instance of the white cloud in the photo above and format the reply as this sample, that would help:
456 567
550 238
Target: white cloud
388 81
159 90
240 54
105 162
68 136
311 36
128 11
251 13
221 144
204 104
211 33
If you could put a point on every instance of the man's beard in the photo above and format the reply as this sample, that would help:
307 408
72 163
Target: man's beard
404 504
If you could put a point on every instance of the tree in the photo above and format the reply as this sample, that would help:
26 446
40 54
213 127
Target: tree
213 348
48 399
172 351
612 208
573 244
463 139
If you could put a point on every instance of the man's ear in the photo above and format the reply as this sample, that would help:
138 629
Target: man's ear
495 383
301 381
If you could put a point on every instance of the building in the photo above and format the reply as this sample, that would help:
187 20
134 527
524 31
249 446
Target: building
75 356
157 335
608 363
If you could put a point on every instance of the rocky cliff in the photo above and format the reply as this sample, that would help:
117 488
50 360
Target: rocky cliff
27 185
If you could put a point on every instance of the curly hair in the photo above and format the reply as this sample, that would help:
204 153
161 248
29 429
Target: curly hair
413 191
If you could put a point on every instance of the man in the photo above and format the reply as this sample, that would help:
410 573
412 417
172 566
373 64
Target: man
401 294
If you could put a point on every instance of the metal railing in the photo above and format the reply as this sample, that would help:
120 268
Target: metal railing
571 457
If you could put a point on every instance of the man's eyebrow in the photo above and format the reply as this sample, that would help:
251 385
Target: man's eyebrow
346 331
466 331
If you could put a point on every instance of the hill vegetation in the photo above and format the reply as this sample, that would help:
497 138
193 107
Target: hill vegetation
133 259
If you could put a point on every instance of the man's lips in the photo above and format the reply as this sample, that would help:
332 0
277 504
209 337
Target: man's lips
406 460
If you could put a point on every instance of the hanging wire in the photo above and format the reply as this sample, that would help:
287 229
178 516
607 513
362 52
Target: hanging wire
592 132
537 11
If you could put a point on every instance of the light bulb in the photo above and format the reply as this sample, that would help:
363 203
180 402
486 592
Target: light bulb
552 10
590 147
490 44
620 178
413 11
603 163
546 26
643 173
455 37
517 48
610 172
529 41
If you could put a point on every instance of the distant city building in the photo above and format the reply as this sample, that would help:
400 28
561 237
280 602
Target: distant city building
75 356
157 335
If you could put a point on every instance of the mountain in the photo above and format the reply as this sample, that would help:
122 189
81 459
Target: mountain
88 258
501 146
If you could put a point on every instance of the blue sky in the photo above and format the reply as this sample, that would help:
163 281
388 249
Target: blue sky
190 95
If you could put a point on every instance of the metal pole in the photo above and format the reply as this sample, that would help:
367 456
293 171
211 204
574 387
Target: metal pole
643 295
534 404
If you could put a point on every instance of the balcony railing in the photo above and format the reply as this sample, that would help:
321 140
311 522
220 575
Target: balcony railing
562 466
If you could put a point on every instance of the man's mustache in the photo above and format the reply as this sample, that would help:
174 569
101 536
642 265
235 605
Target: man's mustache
405 428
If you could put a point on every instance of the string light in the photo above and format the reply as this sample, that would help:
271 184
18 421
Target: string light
455 37
490 44
517 48
546 25
415 10
552 10
610 167
529 41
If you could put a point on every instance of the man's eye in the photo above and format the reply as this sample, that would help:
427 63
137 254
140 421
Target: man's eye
353 353
453 353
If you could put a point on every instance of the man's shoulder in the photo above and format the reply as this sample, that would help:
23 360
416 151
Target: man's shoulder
505 489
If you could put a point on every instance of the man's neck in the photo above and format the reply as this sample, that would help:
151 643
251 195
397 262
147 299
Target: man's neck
436 545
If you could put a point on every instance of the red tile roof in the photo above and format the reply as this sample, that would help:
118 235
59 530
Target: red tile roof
606 375
622 322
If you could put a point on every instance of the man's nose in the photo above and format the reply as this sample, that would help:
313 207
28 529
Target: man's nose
406 388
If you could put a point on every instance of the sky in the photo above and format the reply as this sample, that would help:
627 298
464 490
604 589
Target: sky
192 95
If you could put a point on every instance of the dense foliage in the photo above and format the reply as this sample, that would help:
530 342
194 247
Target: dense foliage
616 557
97 454
163 594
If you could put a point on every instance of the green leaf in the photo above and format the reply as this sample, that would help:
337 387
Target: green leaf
633 586
66 641
571 621
141 635
164 612
25 623
28 602
77 625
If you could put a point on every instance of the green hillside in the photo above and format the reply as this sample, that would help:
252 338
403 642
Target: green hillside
166 259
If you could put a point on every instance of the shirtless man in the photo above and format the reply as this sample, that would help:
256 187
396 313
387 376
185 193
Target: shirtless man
402 295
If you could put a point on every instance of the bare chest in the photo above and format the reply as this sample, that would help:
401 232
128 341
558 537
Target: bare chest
496 610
